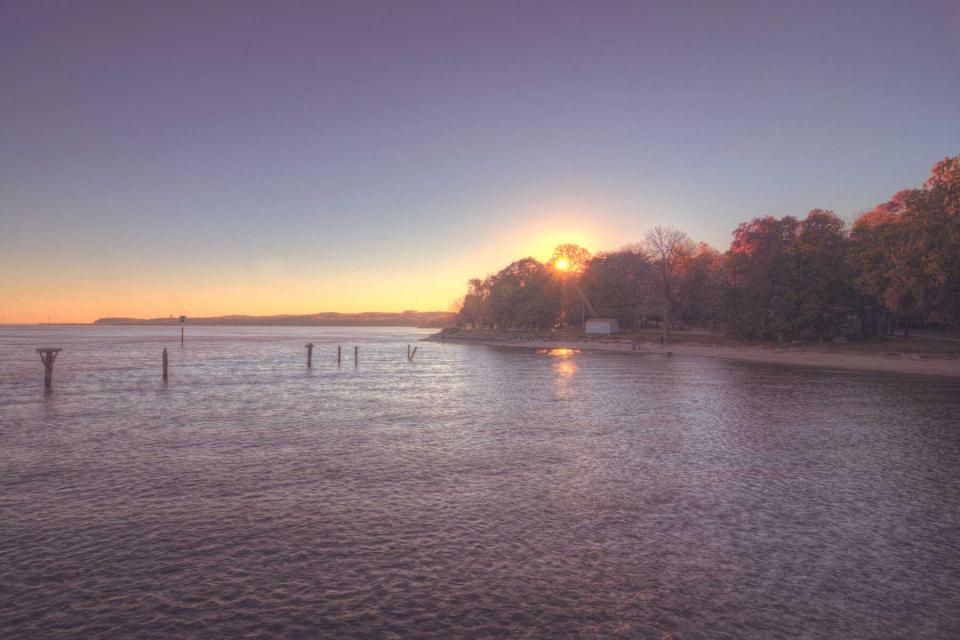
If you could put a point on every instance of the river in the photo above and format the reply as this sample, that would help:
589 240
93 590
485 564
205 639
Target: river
474 492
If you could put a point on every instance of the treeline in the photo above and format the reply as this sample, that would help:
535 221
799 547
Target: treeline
782 278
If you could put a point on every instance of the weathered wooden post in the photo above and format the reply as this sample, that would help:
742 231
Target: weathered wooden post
164 364
412 353
183 320
309 355
408 352
356 356
338 355
48 356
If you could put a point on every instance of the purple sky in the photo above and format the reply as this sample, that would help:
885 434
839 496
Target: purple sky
319 156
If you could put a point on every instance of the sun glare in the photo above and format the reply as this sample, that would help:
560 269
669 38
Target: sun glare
562 264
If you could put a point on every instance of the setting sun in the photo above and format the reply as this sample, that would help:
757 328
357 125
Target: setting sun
569 258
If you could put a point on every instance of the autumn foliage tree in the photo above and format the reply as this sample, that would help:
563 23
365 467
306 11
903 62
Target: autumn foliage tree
906 254
698 291
887 265
763 277
825 294
782 278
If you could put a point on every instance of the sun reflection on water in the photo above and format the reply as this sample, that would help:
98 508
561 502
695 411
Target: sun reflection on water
564 366
559 352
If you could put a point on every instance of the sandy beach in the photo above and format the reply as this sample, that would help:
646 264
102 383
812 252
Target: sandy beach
912 364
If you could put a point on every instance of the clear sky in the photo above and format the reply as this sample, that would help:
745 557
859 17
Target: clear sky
291 157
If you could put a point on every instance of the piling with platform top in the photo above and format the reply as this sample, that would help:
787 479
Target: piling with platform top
48 356
164 364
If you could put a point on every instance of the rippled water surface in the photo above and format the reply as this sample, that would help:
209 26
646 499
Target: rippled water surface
473 493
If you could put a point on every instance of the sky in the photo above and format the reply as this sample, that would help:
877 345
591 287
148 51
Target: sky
207 158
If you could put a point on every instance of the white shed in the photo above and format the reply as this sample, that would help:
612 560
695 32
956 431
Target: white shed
601 326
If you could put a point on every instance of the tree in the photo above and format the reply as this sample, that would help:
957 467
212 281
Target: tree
567 264
762 272
523 296
899 265
890 247
618 284
825 291
476 302
666 246
699 286
938 216
570 257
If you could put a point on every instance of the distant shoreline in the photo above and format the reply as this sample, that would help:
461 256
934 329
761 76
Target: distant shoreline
410 318
910 364
220 324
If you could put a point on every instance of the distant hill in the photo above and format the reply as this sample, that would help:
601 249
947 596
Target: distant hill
365 319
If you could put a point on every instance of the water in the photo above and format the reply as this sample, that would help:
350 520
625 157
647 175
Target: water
474 493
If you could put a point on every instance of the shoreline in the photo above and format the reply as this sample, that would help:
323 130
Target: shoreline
900 363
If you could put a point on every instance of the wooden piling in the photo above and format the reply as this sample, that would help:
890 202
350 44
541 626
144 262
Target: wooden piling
412 353
356 356
338 355
183 320
48 356
309 355
164 364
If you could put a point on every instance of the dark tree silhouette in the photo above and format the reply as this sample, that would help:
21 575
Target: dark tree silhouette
899 265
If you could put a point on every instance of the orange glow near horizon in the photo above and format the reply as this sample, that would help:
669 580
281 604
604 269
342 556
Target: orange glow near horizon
73 298
543 248
82 285
541 229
